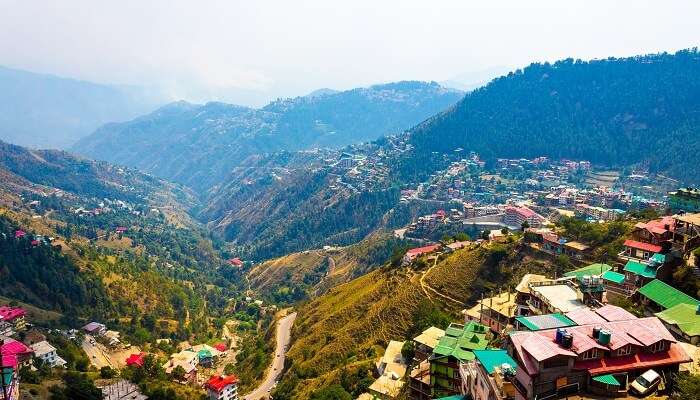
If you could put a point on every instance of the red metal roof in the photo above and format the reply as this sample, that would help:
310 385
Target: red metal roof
219 382
136 359
585 316
423 250
658 226
614 313
523 211
220 346
675 355
642 246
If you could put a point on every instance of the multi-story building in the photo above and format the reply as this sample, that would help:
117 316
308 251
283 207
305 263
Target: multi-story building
516 216
489 376
220 387
496 312
455 347
47 354
14 316
599 358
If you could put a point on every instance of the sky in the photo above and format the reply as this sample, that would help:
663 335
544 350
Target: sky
250 52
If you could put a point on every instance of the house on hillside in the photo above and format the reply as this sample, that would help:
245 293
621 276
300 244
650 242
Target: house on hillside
496 312
95 329
15 316
221 387
683 320
391 369
638 250
414 253
425 343
47 354
122 390
489 375
456 347
655 232
600 358
658 296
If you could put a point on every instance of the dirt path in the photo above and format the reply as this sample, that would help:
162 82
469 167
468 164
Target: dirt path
426 288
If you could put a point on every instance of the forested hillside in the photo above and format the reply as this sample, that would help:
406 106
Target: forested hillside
199 145
618 111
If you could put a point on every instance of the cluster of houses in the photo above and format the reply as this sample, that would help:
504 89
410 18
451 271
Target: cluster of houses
559 336
31 352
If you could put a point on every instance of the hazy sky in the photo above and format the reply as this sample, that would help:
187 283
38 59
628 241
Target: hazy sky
252 51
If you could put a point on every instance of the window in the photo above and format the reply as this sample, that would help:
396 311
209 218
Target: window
590 354
658 346
624 350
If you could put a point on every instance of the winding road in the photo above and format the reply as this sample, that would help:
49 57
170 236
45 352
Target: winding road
284 329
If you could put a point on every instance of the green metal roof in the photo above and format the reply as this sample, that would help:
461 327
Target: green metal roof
204 353
613 276
685 316
491 359
640 269
666 296
460 340
606 379
547 321
659 258
593 269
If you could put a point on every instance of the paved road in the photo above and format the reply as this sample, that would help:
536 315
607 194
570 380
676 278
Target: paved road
97 356
284 328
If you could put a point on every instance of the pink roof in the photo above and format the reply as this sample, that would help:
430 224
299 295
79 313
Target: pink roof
614 313
122 229
585 316
11 313
12 351
20 233
423 250
658 226
235 261
539 346
642 246
550 237
523 211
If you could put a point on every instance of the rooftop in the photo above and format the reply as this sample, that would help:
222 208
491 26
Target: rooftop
683 315
640 269
42 348
219 382
613 276
561 296
642 246
665 295
593 269
430 337
460 340
547 321
491 359
523 286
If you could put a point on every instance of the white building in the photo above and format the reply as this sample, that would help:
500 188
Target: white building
47 354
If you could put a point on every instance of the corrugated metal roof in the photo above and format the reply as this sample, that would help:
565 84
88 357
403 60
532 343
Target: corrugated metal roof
613 276
607 379
640 269
593 269
491 359
666 295
547 321
685 316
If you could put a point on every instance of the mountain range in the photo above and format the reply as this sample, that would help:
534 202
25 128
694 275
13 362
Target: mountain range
46 111
198 145
631 112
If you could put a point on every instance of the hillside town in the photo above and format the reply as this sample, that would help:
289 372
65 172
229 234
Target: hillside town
558 336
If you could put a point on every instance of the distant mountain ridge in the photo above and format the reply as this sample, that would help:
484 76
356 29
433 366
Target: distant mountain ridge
640 111
198 145
47 111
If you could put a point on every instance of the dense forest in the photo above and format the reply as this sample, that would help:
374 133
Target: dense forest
618 111
35 272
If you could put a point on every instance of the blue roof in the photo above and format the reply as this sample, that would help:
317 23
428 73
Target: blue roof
491 359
